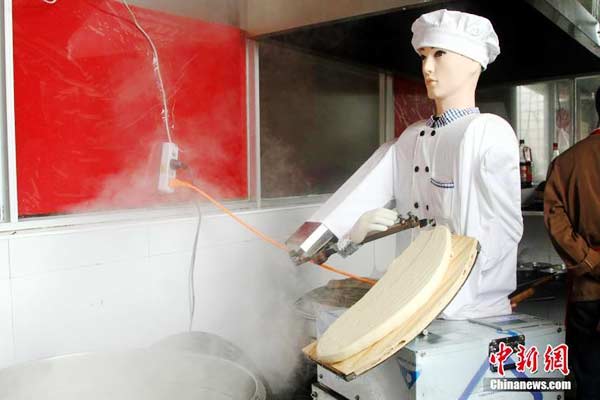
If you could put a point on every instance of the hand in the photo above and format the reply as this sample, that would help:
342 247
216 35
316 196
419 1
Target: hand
379 219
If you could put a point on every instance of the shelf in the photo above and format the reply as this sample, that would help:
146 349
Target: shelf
533 213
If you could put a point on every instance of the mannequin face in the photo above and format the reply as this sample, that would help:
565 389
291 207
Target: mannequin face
450 78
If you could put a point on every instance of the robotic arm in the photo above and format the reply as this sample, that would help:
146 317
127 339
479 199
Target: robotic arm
314 242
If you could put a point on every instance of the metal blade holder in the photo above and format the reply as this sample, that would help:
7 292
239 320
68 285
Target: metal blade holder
401 224
314 242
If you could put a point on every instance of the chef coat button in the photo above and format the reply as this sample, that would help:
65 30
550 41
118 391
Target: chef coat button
432 133
422 133
426 169
427 207
417 169
416 205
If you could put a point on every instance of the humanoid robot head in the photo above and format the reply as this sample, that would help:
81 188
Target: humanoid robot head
448 76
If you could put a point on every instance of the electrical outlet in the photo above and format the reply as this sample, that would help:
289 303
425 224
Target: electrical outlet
169 152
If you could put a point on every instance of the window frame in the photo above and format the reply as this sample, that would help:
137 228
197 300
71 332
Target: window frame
10 222
576 138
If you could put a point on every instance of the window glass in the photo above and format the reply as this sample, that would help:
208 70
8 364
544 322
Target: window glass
533 126
498 100
591 6
563 114
91 115
587 117
319 121
545 117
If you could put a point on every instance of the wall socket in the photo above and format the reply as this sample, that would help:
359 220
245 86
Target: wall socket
169 152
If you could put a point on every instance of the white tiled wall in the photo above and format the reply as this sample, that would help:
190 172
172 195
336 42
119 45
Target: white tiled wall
36 254
4 260
6 332
120 286
6 329
104 307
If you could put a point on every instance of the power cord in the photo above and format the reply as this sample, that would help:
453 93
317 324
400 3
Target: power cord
156 64
177 183
191 287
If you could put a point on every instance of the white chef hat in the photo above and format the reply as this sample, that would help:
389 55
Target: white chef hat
469 35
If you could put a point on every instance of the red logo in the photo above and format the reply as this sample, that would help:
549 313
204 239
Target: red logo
498 358
555 358
527 359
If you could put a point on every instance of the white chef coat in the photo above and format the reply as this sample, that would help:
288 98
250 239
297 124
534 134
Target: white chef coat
464 174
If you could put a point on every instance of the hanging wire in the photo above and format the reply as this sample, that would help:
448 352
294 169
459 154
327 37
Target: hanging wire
191 287
156 64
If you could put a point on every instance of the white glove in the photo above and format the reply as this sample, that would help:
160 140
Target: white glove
379 219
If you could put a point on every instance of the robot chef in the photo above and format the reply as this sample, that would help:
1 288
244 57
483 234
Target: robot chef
459 167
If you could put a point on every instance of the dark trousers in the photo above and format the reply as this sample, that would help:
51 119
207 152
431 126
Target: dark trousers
583 338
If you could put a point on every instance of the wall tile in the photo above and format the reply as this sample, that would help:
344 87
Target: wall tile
113 306
178 236
172 236
4 260
53 251
6 331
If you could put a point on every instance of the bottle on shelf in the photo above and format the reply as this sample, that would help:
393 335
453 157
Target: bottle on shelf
555 151
525 165
522 167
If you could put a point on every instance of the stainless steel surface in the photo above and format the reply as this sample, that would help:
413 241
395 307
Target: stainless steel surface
313 242
9 189
521 25
268 16
574 19
402 224
209 344
427 367
321 393
337 294
308 240
220 11
533 266
555 269
253 122
151 374
4 166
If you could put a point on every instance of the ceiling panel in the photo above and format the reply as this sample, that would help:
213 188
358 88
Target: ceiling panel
221 11
533 47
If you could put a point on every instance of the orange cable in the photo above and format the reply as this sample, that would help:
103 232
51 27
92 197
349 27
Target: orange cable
179 183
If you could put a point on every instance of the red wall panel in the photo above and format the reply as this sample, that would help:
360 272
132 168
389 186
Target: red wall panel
89 113
410 103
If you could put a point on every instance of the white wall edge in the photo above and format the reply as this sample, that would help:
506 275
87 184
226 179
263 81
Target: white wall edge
70 224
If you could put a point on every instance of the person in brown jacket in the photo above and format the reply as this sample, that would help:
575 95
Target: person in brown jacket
572 217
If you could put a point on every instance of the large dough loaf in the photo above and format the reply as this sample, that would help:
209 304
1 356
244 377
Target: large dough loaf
408 283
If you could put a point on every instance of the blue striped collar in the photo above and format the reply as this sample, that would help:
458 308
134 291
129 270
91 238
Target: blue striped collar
450 116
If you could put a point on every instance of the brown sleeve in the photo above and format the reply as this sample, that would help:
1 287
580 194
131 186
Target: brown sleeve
568 243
